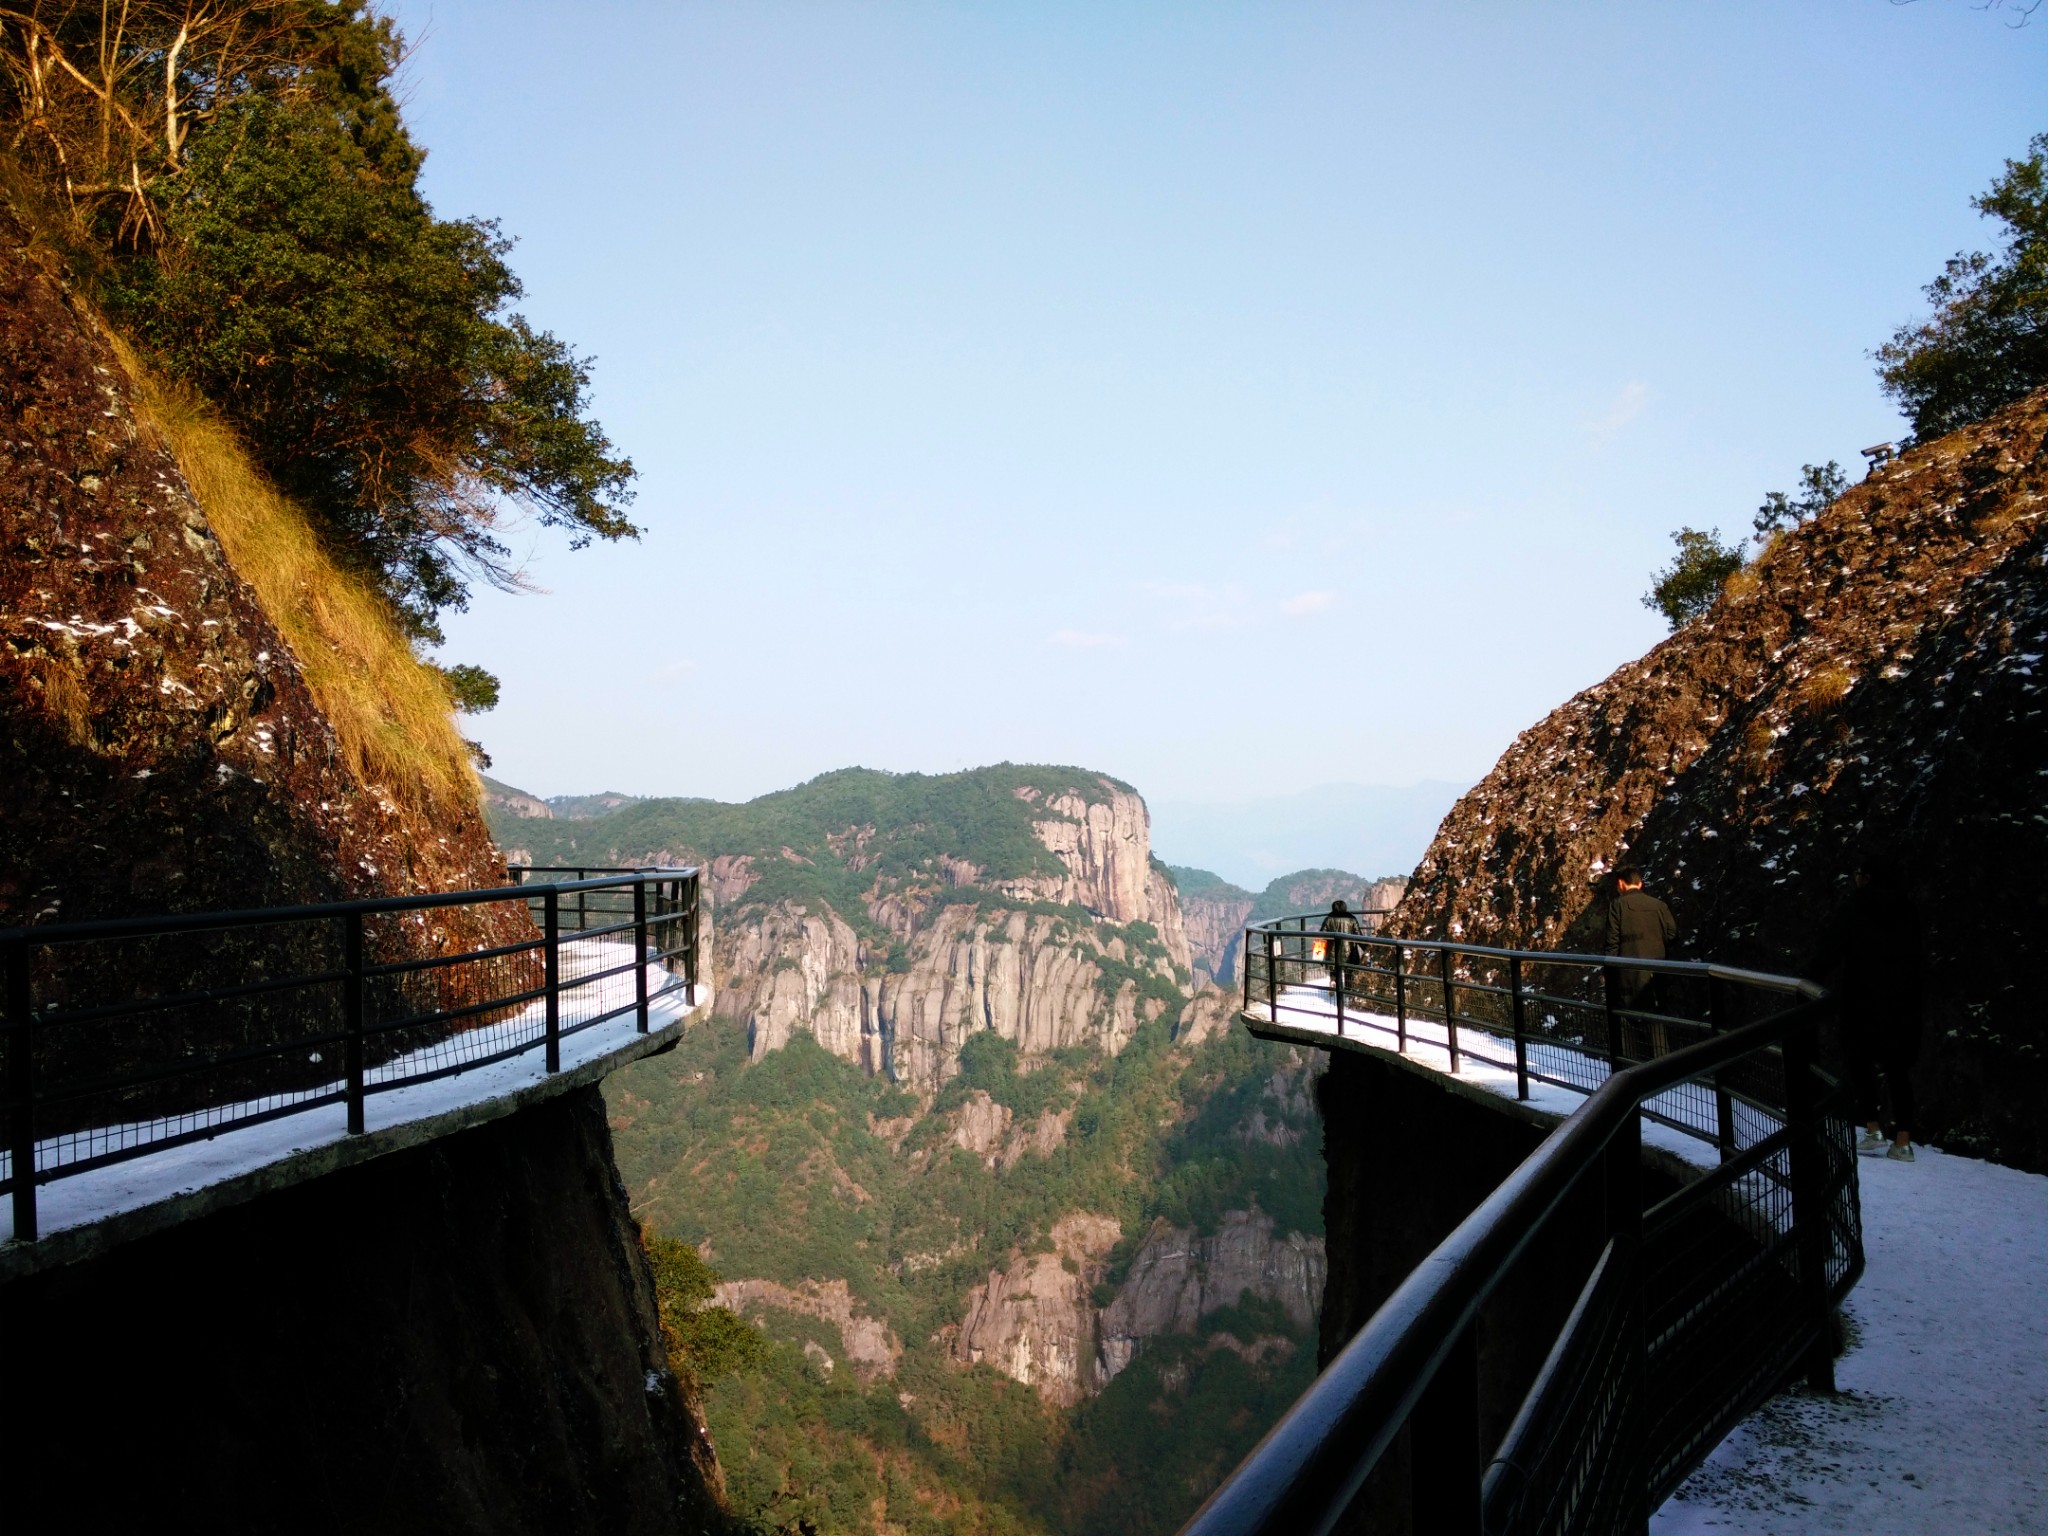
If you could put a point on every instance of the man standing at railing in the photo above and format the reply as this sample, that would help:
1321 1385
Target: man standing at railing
1340 954
1639 926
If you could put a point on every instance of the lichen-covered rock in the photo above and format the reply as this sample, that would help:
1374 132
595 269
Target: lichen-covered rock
1875 683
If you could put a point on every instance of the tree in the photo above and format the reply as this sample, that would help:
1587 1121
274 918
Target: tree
1687 587
1820 486
245 172
1986 344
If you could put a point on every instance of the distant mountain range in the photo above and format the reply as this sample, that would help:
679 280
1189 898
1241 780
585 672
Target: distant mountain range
1379 829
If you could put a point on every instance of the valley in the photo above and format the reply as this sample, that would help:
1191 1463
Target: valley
1036 1239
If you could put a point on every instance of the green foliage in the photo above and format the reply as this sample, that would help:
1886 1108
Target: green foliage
364 349
703 1342
1986 344
782 1168
1288 894
1192 883
1688 586
831 841
1820 485
473 689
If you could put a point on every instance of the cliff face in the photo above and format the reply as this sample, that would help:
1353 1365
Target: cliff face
459 1338
891 917
1215 922
161 747
1873 684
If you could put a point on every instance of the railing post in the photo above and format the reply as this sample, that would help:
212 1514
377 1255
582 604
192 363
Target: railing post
1624 1196
1244 964
21 1085
1810 1201
551 933
690 892
582 916
1400 999
352 1016
1337 958
640 946
1610 985
1724 1106
1450 1010
1443 1445
1521 1028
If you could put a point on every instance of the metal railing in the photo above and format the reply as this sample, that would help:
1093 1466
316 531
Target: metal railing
1694 1309
129 1037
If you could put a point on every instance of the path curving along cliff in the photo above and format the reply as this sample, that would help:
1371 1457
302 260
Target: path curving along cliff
1873 683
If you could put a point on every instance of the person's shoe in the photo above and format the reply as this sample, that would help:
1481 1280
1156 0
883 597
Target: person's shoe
1901 1152
1871 1142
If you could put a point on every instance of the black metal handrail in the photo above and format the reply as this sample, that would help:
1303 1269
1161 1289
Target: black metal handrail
130 1036
1693 1311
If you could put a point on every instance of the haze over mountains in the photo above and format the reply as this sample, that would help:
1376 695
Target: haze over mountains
1376 829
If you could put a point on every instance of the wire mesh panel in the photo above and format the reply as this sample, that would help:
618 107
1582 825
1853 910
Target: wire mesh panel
126 1038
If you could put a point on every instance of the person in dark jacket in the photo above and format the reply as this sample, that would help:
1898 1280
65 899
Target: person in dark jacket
1640 927
1872 954
1341 954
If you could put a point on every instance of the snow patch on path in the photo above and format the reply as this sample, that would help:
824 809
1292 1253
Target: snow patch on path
1941 1425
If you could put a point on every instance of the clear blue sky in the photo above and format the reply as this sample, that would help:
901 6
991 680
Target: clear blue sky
1092 382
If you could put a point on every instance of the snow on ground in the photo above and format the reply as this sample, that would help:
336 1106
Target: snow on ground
145 1180
1314 1009
1941 1423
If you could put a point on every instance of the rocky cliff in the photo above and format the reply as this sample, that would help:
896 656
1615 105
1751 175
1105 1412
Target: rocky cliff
891 916
1872 684
163 750
456 1338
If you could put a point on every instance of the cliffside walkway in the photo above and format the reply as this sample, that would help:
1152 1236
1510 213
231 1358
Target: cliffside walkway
161 1068
1696 1307
1942 1414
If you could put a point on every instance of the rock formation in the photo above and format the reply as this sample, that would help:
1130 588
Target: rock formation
1047 921
162 749
1873 684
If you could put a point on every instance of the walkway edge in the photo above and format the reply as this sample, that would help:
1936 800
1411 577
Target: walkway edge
73 1245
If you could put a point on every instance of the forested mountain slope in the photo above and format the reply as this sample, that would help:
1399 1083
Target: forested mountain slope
1036 1236
892 915
1874 683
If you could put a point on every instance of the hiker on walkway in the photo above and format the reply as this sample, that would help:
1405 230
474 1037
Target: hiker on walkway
1639 926
1341 954
1872 954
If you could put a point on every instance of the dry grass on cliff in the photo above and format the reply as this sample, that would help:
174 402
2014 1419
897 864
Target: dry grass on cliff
390 711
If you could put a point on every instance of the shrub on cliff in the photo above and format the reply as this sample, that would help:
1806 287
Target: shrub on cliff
1986 344
703 1342
247 199
1687 587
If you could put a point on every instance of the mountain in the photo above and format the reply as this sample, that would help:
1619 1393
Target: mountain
1873 685
1356 826
1036 1238
1216 911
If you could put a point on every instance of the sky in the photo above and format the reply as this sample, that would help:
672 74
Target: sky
1235 398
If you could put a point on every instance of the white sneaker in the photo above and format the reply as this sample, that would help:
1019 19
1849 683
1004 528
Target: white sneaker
1901 1152
1871 1142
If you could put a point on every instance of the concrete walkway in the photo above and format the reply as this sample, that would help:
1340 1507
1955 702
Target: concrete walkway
1941 1426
